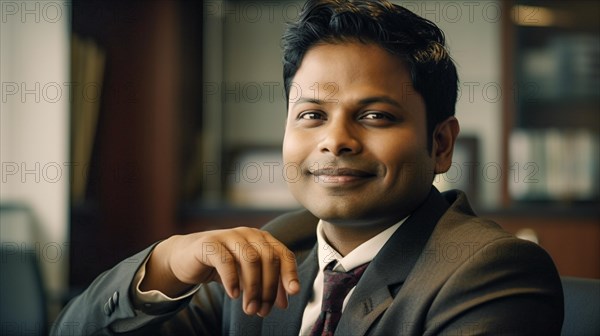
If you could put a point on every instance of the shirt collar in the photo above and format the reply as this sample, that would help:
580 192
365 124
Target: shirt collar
364 253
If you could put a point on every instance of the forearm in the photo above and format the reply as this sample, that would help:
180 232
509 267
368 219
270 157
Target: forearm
91 313
159 275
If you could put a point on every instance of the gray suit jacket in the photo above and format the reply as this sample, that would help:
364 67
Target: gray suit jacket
444 271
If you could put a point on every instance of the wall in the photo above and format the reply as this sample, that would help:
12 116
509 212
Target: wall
34 70
473 34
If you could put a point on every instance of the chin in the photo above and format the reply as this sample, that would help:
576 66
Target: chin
349 215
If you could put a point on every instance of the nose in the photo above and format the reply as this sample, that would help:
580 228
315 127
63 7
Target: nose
340 138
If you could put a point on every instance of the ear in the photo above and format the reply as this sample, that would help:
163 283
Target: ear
444 137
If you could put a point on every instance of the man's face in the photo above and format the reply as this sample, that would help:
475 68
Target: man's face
356 131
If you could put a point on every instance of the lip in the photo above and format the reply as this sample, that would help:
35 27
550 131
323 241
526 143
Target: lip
339 176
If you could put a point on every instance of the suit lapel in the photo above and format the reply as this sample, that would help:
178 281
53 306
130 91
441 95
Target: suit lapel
390 267
288 321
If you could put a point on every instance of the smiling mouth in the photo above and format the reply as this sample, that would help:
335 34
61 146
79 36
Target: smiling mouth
340 175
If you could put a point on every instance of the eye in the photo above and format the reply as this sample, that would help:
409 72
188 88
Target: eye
377 117
374 116
311 118
311 115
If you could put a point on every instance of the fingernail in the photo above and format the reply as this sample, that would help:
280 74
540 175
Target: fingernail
235 293
252 307
264 310
294 285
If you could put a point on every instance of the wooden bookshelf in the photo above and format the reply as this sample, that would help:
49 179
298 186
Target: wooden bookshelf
569 230
132 186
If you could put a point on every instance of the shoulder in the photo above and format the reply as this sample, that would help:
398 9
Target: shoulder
474 269
466 248
464 245
460 223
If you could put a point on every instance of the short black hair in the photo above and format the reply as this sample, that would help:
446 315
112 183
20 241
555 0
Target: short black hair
415 40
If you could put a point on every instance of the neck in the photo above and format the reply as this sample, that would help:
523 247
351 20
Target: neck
345 239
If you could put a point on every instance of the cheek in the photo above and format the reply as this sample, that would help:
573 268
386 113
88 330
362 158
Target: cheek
293 158
403 158
293 148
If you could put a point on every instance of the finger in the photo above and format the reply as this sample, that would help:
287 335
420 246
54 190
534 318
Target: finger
225 265
287 269
270 279
251 278
289 273
282 297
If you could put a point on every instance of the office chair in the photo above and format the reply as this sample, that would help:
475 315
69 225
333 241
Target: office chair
582 306
22 299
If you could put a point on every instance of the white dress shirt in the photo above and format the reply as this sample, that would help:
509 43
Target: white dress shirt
364 253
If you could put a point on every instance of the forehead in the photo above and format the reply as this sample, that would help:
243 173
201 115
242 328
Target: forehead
368 55
351 68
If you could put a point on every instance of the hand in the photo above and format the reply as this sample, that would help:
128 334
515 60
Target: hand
244 260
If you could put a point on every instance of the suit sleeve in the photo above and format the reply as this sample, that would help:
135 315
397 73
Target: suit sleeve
106 308
510 287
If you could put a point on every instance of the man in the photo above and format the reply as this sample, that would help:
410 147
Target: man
371 93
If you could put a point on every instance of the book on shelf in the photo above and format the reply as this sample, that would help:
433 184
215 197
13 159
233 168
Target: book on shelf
554 165
87 72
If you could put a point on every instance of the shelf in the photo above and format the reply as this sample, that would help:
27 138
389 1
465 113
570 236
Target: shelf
574 211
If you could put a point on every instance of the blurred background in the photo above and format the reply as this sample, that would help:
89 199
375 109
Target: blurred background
124 122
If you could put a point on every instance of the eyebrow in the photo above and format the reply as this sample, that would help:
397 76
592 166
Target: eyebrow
304 100
379 99
364 101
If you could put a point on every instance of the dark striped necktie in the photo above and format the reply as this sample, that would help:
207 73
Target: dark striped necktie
336 286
